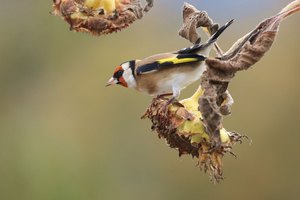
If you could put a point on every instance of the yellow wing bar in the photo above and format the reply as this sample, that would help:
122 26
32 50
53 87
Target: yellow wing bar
176 60
169 62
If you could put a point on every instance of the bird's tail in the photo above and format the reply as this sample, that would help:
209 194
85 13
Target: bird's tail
206 47
215 36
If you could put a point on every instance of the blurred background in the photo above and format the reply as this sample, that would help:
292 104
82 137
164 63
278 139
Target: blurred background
63 135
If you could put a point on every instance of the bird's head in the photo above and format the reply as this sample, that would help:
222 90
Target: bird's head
124 75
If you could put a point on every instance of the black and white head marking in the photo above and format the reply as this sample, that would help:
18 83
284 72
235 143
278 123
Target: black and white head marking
129 73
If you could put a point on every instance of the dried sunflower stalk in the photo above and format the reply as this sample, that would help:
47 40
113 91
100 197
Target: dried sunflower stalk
100 17
194 125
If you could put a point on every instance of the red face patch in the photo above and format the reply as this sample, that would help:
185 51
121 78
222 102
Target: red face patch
123 82
118 75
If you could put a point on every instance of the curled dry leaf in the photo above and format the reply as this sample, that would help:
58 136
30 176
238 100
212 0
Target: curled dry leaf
196 127
193 19
100 16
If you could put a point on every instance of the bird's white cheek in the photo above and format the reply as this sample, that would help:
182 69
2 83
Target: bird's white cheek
130 80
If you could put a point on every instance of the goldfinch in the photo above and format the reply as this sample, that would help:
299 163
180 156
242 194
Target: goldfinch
166 73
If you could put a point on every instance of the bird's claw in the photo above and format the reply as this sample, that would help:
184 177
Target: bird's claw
163 96
177 103
164 109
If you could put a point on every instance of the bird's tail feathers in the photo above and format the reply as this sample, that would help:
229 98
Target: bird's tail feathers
216 35
205 48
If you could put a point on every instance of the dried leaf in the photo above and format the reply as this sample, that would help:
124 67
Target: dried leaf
244 54
193 19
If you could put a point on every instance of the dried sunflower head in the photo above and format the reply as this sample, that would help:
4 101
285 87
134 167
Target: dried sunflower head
99 16
182 128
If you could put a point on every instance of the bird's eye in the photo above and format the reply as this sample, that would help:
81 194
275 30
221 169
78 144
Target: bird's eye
118 74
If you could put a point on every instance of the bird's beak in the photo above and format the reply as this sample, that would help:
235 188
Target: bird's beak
111 81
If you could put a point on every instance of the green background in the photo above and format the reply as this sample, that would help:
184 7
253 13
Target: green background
63 135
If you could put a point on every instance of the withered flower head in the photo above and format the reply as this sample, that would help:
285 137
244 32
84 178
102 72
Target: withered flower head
100 16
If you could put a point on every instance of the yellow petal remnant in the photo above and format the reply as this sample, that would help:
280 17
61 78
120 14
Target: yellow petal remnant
93 4
108 5
196 126
191 103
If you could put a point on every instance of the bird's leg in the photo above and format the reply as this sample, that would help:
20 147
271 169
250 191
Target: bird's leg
162 96
165 107
170 101
176 93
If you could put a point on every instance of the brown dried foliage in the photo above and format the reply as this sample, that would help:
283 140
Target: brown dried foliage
241 56
193 19
216 100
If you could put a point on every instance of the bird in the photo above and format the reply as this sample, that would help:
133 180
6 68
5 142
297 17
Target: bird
166 73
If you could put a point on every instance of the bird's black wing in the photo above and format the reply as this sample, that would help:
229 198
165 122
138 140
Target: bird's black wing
190 50
169 62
